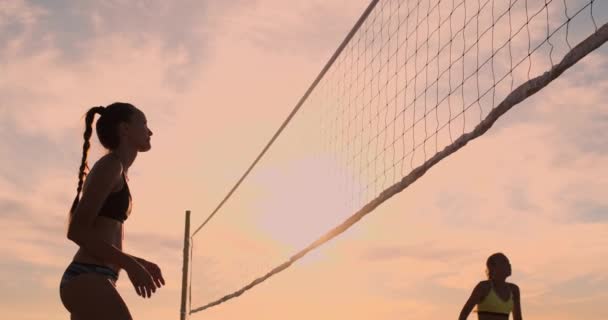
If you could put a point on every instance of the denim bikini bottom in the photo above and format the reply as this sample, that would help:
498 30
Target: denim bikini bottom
76 268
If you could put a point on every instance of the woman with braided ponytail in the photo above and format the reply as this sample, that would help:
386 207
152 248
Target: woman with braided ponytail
88 286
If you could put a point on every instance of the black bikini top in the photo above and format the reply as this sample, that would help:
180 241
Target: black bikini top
117 205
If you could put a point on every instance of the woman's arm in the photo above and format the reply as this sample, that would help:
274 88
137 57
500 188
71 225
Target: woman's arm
475 298
100 182
516 303
141 261
153 269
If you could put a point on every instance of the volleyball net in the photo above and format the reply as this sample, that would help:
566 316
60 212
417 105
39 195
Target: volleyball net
413 82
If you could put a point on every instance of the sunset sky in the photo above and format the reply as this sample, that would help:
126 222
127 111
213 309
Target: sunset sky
216 79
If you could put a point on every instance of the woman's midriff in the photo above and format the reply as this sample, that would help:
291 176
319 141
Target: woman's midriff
108 230
492 317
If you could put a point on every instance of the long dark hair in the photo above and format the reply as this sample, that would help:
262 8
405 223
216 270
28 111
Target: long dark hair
107 132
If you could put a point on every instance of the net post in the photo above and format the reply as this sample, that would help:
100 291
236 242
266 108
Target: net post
183 312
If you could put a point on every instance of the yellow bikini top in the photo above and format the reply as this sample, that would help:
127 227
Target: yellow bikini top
494 304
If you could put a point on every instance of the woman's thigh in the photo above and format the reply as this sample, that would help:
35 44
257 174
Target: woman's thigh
92 296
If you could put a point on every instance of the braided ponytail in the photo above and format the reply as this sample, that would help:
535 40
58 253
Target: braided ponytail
85 150
107 132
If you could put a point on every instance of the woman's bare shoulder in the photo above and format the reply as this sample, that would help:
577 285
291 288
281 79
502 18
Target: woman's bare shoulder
483 287
513 286
480 291
106 166
108 163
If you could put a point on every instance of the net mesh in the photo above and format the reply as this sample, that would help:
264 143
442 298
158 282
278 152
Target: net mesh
413 82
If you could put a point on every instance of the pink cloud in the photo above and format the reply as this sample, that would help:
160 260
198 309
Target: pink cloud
208 131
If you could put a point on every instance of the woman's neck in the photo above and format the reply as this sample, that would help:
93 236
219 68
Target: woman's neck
126 156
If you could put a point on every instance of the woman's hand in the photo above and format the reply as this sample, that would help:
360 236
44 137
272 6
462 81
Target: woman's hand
141 278
154 271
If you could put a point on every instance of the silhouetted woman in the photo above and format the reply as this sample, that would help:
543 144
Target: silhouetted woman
495 298
88 286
